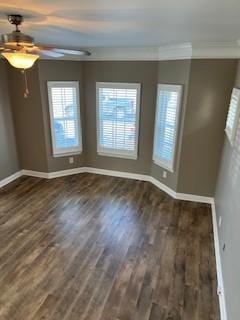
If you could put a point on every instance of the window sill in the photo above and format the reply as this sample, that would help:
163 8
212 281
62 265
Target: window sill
117 155
163 165
67 154
229 137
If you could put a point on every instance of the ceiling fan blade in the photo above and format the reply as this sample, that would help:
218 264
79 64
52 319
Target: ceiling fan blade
2 47
50 53
5 49
72 52
77 52
45 52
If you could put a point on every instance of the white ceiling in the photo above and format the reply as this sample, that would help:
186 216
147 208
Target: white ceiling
109 23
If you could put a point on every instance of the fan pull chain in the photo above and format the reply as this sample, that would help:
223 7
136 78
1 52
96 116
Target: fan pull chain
26 92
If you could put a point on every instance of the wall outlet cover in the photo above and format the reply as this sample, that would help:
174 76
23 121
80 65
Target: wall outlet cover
220 222
164 174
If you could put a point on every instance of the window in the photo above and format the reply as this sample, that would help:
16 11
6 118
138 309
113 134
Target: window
65 117
118 107
166 125
233 115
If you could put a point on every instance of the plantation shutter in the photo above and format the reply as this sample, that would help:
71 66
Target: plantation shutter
233 115
65 117
118 116
166 125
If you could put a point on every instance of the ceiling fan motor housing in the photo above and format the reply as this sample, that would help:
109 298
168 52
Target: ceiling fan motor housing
17 38
15 19
20 42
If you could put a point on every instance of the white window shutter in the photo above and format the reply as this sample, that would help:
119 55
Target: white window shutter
64 108
166 125
233 115
118 107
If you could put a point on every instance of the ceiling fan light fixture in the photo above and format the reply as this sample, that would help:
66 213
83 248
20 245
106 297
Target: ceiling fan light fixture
20 60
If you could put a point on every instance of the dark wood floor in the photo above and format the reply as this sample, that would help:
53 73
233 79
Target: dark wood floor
102 248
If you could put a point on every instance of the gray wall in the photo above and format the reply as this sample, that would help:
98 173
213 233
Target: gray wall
60 71
228 207
8 150
173 72
210 86
27 115
122 71
207 85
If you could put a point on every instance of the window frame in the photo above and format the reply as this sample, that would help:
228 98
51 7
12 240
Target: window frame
156 159
57 152
231 133
110 152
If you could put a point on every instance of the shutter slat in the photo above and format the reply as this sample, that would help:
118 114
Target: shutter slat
65 113
117 119
166 124
233 115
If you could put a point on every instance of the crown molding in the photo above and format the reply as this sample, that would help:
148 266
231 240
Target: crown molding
175 52
216 51
182 51
172 52
119 54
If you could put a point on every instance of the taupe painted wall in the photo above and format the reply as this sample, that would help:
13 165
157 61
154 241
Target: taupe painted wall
210 86
60 71
207 86
228 207
122 71
8 150
27 115
173 72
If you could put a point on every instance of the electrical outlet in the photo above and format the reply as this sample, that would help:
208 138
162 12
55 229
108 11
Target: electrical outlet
220 222
71 160
219 290
164 174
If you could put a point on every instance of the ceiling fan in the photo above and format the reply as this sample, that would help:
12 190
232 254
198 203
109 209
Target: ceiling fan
21 52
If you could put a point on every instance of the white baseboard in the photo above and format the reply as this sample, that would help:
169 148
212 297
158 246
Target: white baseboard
121 174
158 184
221 293
11 178
194 198
67 172
36 174
162 187
52 175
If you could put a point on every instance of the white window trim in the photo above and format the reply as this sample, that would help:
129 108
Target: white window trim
66 151
112 152
156 159
231 134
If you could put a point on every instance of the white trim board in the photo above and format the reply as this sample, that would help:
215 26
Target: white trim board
113 173
52 175
121 174
180 51
11 178
221 293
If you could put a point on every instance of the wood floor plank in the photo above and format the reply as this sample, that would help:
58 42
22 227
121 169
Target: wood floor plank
92 247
